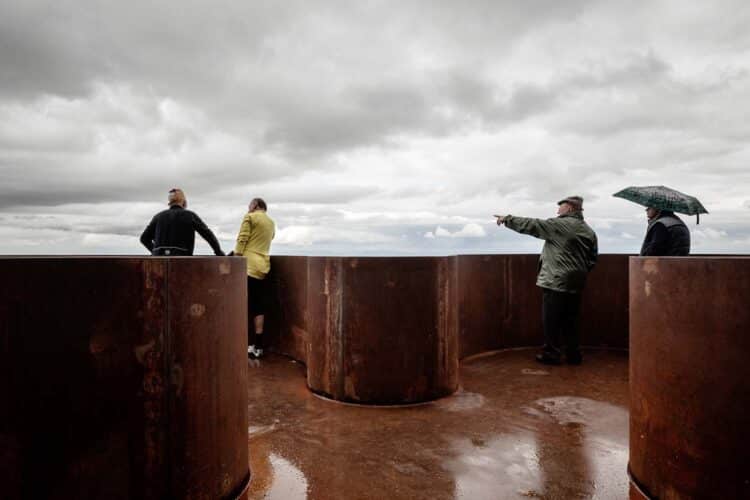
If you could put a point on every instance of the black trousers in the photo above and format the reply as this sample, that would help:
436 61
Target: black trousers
257 303
560 312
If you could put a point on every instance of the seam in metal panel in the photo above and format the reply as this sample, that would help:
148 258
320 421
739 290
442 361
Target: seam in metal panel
167 349
339 326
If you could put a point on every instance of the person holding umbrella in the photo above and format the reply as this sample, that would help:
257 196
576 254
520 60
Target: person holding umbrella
570 252
667 234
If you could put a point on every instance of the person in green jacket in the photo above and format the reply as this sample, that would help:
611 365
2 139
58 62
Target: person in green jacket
570 252
254 243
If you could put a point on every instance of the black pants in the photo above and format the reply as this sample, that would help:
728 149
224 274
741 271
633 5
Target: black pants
560 315
257 303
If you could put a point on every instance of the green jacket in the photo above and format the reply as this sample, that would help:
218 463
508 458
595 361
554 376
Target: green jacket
569 253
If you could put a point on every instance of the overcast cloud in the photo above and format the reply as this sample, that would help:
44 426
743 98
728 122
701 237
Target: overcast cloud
369 127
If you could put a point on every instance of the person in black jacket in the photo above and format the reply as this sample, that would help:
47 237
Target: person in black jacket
172 231
666 235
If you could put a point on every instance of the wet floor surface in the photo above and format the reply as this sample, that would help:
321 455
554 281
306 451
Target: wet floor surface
516 429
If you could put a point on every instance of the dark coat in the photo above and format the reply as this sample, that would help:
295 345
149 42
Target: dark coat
174 229
666 235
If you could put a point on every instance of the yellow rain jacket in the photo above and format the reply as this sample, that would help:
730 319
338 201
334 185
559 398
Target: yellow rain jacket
254 243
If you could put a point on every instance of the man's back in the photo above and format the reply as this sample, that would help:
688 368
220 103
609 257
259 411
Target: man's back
666 235
172 232
571 251
254 242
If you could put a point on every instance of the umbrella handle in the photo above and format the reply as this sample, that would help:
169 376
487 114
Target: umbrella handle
697 219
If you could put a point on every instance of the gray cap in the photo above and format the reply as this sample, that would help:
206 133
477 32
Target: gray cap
575 201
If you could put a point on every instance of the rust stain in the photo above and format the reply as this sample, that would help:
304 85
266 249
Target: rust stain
141 350
651 266
177 378
197 310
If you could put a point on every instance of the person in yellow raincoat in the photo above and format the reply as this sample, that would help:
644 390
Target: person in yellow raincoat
254 243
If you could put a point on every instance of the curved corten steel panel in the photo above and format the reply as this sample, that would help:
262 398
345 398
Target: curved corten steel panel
391 330
286 321
500 306
689 371
382 330
123 378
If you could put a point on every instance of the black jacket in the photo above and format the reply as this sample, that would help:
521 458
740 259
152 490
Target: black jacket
666 235
174 230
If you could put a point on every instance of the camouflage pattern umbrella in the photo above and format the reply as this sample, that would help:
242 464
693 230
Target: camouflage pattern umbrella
663 198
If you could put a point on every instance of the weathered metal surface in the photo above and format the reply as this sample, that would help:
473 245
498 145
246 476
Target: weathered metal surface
324 317
500 306
122 378
689 371
490 302
286 323
381 329
604 310
208 374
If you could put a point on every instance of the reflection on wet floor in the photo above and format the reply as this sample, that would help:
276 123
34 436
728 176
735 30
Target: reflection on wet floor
512 431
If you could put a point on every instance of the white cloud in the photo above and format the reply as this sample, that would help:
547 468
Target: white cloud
441 232
468 231
309 235
708 233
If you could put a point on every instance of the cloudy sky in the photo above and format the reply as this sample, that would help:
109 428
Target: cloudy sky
385 128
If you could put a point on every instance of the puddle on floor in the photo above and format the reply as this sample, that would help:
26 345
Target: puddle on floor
461 400
503 467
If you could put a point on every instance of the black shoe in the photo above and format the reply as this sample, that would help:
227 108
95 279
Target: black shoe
547 359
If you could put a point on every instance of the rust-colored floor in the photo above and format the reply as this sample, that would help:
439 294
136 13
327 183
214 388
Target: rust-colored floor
516 429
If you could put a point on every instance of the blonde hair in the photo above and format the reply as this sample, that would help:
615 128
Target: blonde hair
176 197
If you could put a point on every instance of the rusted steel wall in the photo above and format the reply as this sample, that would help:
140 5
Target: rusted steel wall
494 302
381 330
500 306
689 372
122 378
286 321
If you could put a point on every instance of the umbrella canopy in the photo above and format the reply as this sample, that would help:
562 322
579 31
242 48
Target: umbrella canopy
663 198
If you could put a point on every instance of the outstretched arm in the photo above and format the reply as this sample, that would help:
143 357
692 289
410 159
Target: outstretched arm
539 228
208 235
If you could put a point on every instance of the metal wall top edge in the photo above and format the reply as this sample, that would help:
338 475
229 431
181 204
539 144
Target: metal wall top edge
367 257
109 257
695 257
